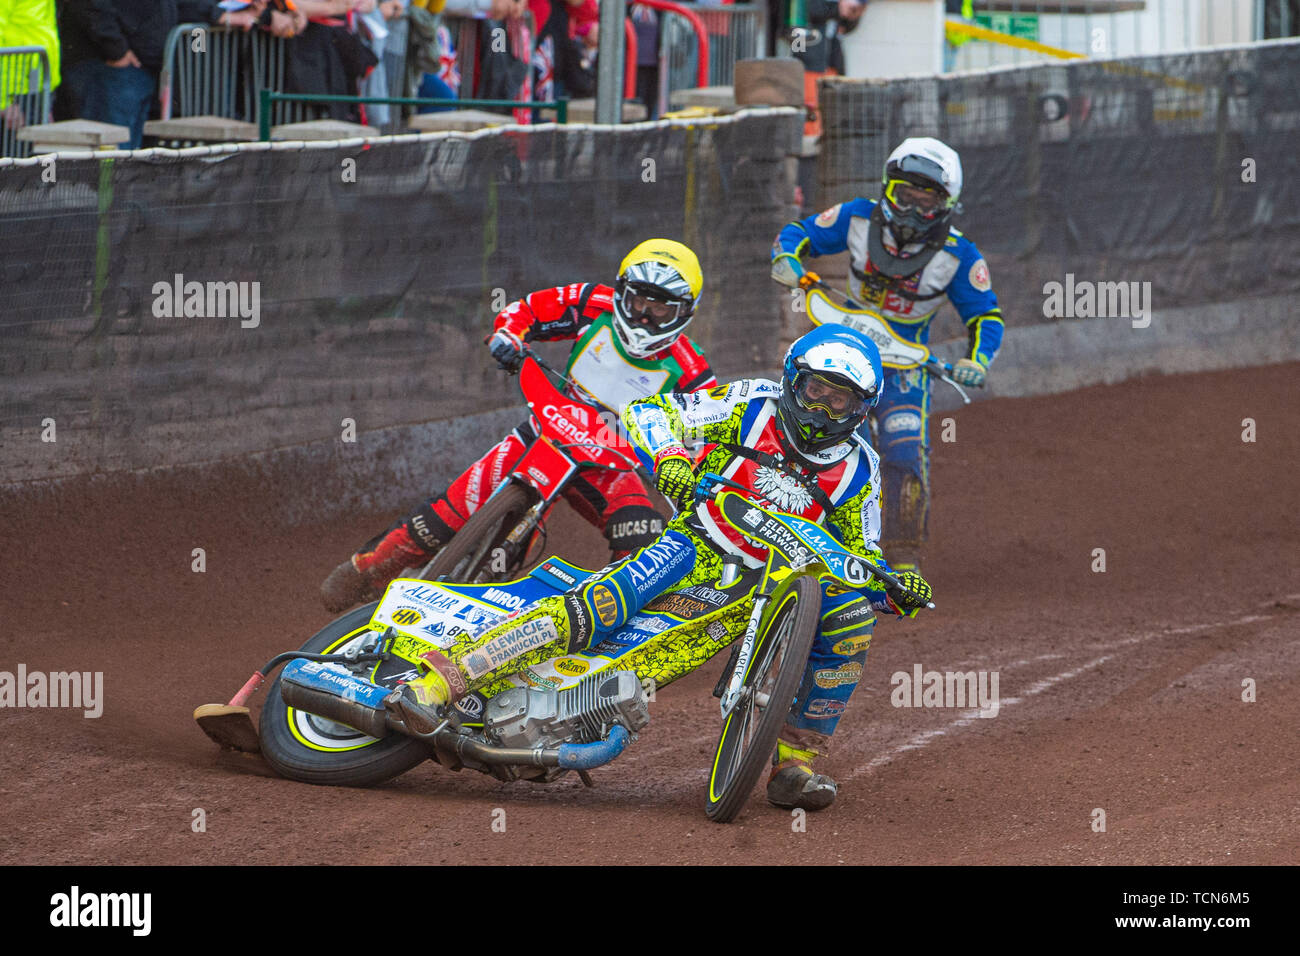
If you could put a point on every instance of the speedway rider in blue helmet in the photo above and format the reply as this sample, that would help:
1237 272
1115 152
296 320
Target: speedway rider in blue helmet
795 443
904 257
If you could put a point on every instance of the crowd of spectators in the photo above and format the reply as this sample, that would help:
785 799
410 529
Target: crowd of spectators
106 56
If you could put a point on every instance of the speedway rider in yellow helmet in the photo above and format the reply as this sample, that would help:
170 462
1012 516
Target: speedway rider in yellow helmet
628 345
655 296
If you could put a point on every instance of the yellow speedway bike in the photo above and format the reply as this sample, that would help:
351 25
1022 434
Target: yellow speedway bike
324 720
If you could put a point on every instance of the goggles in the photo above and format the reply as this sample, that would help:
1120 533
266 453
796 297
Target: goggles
652 312
907 196
838 401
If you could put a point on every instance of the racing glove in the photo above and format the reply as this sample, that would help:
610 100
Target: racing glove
912 594
787 269
507 349
968 372
675 479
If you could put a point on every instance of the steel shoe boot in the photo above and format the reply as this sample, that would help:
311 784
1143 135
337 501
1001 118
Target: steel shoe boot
793 783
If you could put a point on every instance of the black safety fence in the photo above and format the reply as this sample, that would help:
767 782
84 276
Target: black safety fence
247 297
1180 171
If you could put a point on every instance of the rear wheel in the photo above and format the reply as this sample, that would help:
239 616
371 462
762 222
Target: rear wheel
750 732
480 553
303 746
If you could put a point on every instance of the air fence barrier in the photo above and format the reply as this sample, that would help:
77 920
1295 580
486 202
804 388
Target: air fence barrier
170 306
1180 171
24 95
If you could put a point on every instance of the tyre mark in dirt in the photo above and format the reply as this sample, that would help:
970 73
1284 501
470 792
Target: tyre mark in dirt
968 717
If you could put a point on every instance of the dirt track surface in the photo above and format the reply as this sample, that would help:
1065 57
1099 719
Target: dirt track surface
1119 690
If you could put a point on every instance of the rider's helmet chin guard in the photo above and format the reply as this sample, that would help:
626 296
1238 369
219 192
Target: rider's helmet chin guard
920 190
832 379
655 296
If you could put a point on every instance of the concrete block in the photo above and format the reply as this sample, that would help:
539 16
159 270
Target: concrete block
324 129
769 82
74 134
202 129
461 120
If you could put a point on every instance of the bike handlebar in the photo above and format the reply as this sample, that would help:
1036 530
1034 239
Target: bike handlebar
711 479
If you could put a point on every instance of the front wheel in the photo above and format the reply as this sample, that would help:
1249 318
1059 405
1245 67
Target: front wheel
479 553
772 681
305 747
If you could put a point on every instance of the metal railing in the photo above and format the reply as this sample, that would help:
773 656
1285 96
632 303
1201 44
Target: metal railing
217 71
269 98
24 95
733 31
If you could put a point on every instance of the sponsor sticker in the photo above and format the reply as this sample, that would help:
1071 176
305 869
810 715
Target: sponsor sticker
849 673
559 572
571 667
712 595
827 218
851 645
407 616
537 680
606 605
506 647
471 706
717 630
822 708
680 605
902 421
979 276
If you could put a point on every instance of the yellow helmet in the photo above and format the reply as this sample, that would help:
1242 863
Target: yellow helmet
656 292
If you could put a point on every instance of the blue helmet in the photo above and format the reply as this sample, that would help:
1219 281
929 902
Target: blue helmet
832 379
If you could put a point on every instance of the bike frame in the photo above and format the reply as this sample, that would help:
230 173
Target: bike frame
569 441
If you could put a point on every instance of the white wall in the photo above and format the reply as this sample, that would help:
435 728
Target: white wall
896 38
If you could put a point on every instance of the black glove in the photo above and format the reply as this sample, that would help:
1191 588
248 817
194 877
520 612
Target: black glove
912 593
507 349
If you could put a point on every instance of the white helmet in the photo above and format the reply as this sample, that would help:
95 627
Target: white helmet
921 185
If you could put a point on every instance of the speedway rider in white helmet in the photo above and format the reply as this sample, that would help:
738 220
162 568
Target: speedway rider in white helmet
904 257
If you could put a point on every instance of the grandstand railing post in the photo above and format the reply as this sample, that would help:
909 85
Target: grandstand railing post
264 115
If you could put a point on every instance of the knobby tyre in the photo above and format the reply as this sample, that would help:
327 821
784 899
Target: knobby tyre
750 732
302 746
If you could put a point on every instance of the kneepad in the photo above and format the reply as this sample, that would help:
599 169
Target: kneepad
632 528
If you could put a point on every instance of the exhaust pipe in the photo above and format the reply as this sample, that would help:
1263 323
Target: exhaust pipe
319 689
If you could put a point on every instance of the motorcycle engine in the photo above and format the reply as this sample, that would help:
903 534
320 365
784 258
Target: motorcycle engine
530 717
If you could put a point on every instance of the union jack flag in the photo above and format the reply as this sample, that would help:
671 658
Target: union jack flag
448 68
544 64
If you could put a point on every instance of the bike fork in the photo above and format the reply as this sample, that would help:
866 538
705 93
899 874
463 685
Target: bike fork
735 685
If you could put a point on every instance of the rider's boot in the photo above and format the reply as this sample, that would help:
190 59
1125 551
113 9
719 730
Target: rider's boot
794 784
364 576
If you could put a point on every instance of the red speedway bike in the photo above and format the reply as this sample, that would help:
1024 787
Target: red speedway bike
496 542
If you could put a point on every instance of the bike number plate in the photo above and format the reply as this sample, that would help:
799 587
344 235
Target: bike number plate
546 468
